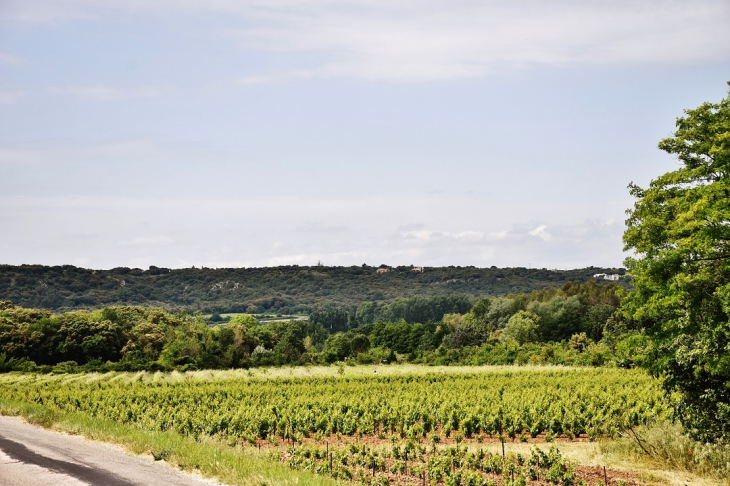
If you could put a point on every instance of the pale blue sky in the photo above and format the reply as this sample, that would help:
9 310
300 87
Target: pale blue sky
250 133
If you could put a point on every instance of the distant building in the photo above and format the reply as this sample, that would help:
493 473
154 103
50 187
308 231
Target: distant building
613 277
383 270
417 269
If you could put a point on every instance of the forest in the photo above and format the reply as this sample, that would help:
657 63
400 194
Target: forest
574 324
279 290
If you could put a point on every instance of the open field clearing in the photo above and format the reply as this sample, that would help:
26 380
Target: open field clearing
372 425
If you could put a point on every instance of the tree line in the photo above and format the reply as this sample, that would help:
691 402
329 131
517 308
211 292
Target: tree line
575 324
276 290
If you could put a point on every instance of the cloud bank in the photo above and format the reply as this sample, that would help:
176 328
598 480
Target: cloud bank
180 232
416 41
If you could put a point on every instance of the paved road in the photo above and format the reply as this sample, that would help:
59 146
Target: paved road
33 456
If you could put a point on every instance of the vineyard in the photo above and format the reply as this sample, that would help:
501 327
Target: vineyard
373 425
415 464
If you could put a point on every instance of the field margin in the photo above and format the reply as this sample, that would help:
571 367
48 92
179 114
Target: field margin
208 456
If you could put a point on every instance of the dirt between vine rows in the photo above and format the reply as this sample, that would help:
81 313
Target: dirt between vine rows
375 441
592 475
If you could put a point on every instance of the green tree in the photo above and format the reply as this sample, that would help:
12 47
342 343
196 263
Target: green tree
679 232
521 327
360 343
339 345
244 320
290 345
183 350
365 313
595 318
499 312
424 309
334 319
560 317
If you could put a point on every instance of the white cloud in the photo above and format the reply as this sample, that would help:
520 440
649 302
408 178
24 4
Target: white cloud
10 97
541 232
6 58
147 241
275 77
124 151
409 40
291 260
109 93
18 156
261 231
411 227
319 227
426 235
417 41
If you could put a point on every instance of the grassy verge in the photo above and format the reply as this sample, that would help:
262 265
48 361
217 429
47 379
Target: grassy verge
665 446
208 456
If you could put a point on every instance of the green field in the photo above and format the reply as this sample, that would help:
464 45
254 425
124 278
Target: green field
261 318
360 422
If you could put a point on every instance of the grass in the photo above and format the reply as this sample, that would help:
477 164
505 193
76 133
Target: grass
208 456
262 318
665 446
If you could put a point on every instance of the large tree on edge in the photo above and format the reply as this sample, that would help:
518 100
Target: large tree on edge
679 232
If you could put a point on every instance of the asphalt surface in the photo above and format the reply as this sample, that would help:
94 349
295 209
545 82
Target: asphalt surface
33 456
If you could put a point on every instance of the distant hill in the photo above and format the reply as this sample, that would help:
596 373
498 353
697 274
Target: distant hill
285 289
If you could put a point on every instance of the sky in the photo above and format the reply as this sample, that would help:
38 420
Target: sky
236 133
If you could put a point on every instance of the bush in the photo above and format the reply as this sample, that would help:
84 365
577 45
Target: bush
66 367
13 364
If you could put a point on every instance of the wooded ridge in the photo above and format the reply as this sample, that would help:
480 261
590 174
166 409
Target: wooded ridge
283 289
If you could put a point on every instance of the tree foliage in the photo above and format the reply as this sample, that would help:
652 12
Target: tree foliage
279 290
135 338
521 327
679 231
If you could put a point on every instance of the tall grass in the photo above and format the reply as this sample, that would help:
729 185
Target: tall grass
666 446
